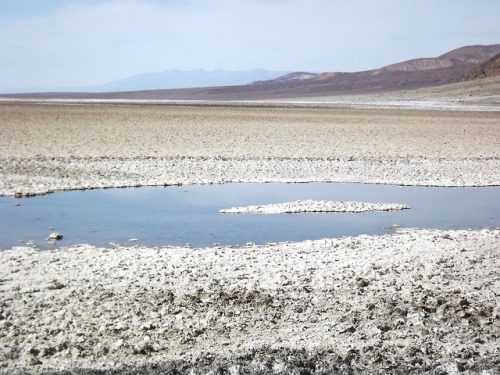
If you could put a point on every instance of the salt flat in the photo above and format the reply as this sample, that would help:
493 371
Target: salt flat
47 147
416 301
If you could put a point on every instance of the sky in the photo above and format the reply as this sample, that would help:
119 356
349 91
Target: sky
72 43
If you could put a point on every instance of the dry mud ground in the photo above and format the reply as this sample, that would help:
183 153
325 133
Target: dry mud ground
411 302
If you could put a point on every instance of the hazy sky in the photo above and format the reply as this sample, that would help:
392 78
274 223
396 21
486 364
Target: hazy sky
64 43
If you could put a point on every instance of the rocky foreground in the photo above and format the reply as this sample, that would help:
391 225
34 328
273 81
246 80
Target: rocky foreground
417 301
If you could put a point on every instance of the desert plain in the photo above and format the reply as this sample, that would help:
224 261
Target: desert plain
413 301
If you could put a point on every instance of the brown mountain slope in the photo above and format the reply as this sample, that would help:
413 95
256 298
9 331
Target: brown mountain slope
412 74
415 73
490 68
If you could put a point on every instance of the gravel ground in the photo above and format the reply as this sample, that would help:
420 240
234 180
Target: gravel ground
415 301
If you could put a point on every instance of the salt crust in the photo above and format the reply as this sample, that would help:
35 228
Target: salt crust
314 206
416 301
25 177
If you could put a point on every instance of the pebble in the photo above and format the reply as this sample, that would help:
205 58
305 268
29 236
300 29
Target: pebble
55 236
362 283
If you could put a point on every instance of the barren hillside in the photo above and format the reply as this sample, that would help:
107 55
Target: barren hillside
490 68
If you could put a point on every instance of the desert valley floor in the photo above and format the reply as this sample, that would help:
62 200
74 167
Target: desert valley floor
415 301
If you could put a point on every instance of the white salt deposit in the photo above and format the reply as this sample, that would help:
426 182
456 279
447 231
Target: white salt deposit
314 206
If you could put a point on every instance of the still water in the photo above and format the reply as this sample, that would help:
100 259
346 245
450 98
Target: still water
177 215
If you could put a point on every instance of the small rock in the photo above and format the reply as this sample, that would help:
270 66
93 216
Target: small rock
120 326
362 283
463 302
75 352
55 236
383 327
32 360
56 286
118 344
147 326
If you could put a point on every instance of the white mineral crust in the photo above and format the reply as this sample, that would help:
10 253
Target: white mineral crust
314 206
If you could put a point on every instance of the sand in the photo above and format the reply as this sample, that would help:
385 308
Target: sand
414 301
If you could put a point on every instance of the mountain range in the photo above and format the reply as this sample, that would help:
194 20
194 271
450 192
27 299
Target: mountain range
453 66
411 73
171 79
168 79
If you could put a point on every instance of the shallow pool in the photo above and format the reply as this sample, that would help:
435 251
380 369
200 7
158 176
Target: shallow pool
177 215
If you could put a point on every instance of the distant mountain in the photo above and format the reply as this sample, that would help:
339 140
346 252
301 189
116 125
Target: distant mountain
412 74
404 75
294 76
169 79
490 68
172 79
